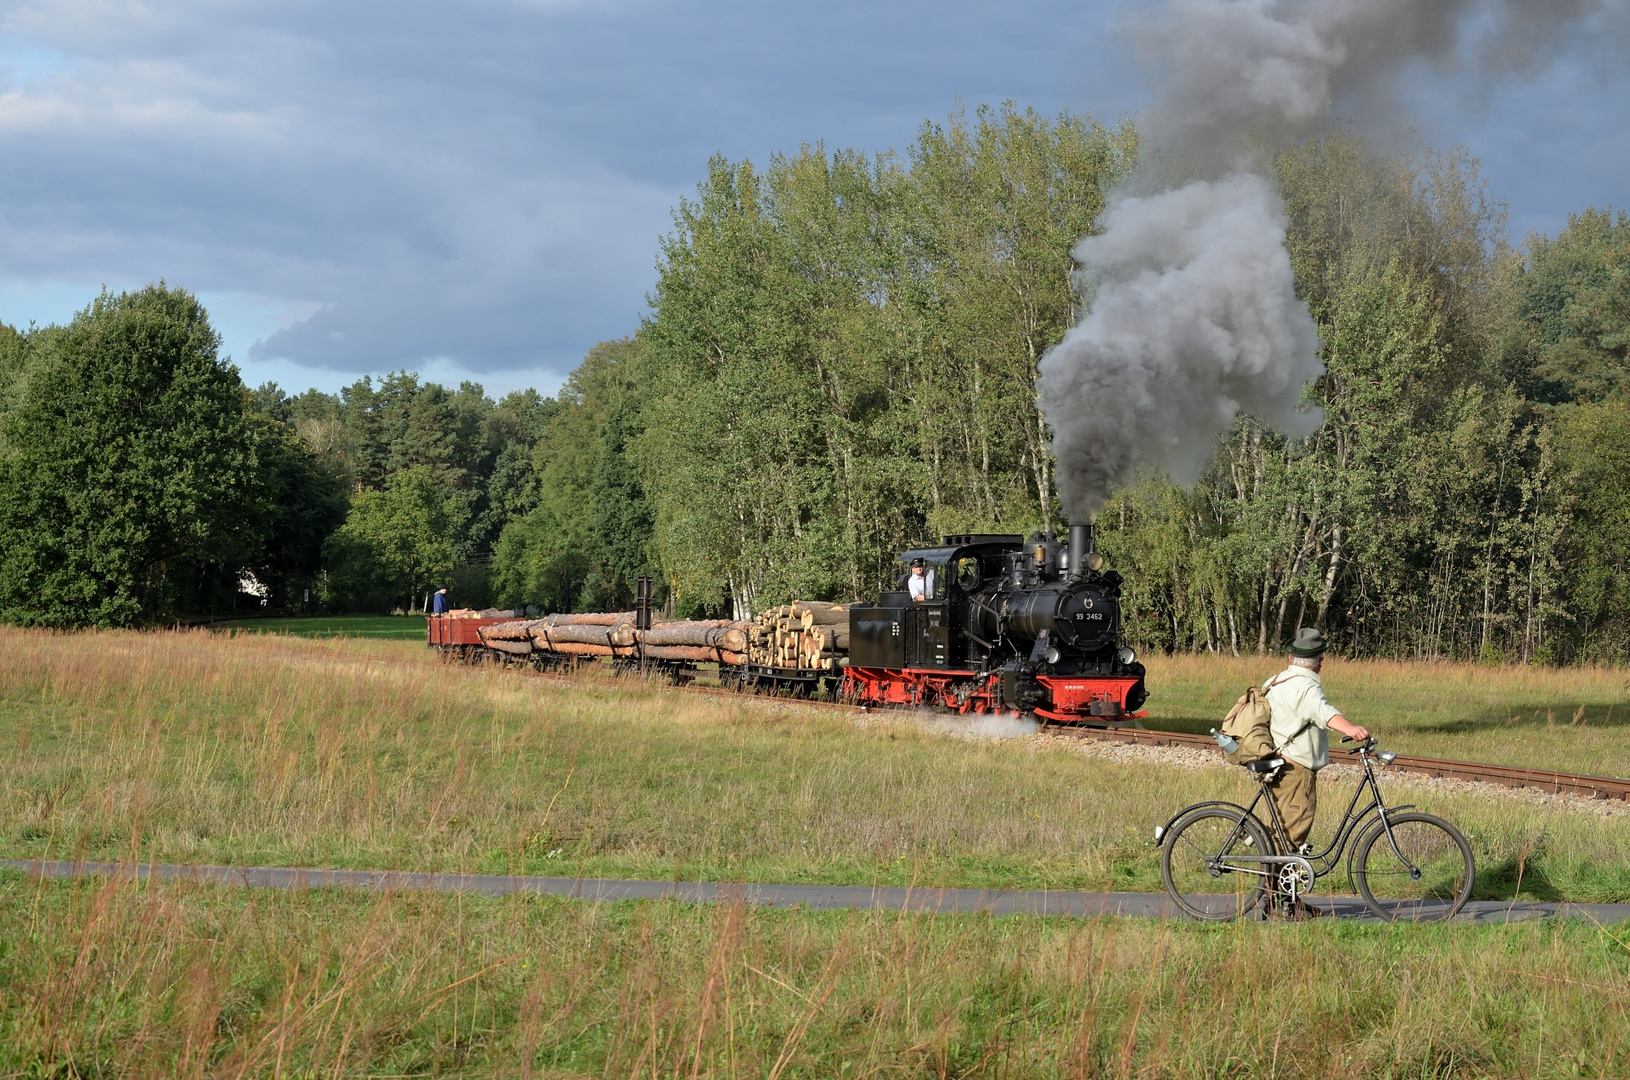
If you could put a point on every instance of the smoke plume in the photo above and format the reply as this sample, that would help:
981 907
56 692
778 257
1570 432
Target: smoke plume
1194 316
988 726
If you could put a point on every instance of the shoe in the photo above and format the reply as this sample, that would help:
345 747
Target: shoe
1303 912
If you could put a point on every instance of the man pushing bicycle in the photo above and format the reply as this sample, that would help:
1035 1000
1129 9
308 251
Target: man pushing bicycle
1301 715
1220 860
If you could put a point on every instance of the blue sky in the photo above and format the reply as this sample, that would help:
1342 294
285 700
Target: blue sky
476 190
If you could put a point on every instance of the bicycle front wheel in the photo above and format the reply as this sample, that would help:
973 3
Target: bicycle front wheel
1414 868
1202 866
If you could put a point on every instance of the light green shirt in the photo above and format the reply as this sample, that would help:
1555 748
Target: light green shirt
1296 697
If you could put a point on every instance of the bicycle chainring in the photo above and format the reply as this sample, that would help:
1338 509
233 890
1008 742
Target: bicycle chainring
1294 880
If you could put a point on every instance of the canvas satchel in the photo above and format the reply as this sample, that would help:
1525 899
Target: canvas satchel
1250 723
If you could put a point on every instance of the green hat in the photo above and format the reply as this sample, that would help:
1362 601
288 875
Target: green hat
1309 642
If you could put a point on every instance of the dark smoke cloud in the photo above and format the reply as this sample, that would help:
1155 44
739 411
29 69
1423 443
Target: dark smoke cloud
1195 317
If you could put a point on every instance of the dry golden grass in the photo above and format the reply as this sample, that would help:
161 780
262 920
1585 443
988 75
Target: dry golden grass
195 748
109 979
188 747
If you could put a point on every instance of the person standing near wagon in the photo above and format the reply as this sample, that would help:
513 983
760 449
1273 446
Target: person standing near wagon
1302 716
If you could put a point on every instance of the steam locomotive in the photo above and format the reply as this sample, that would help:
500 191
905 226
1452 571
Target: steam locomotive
998 625
1004 625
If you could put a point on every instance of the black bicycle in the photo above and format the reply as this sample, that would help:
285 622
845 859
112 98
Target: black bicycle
1219 860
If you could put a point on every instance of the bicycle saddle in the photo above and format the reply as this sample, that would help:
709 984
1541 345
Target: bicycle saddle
1264 765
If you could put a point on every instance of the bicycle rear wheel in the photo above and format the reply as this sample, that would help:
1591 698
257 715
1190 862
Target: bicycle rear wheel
1424 873
1198 863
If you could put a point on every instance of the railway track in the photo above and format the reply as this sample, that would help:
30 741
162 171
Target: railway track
1594 787
1548 780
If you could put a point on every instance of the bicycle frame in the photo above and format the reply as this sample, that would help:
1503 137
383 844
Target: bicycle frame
1321 864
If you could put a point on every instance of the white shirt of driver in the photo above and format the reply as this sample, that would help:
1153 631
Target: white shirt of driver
921 588
1296 697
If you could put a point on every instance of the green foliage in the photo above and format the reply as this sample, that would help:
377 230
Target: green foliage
396 543
1594 459
584 538
620 531
310 503
131 485
13 356
843 351
1439 510
1567 338
478 456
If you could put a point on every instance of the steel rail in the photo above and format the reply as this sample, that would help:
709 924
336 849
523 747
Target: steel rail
1513 776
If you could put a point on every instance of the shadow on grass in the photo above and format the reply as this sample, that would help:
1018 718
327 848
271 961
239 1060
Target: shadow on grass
1561 714
1514 879
1615 714
1193 725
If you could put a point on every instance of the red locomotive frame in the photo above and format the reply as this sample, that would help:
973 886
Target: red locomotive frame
1074 698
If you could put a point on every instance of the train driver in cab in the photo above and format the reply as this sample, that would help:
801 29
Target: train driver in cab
920 585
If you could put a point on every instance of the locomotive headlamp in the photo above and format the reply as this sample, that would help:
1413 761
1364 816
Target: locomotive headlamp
1095 562
1126 656
1051 655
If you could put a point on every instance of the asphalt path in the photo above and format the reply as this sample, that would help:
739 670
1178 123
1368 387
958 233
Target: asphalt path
810 897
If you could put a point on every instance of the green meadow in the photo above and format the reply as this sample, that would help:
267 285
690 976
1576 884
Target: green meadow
387 627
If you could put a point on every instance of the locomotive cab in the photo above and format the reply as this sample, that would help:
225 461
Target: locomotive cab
1005 625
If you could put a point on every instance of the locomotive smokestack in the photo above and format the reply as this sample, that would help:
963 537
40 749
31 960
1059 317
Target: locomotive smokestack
1080 544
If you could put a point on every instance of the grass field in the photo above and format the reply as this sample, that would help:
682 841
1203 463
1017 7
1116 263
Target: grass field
127 980
358 753
194 747
389 627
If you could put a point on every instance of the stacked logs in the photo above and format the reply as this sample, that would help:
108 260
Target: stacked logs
613 634
507 637
810 635
724 640
587 634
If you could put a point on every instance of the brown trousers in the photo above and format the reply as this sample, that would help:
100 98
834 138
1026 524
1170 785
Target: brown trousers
1295 796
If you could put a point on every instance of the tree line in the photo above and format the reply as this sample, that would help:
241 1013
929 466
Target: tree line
839 361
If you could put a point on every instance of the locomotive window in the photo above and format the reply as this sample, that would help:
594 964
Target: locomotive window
931 586
966 573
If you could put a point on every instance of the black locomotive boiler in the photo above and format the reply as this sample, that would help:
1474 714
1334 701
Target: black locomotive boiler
1003 626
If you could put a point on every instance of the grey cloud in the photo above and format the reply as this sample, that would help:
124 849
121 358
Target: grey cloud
482 181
